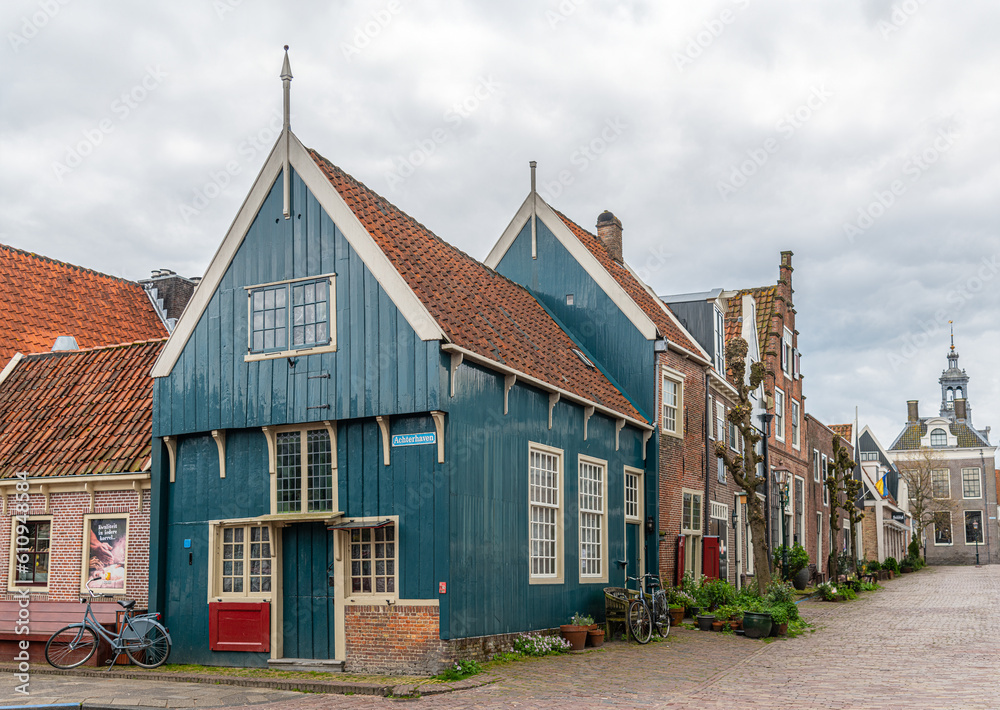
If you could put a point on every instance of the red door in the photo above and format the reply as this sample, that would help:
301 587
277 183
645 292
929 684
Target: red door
710 557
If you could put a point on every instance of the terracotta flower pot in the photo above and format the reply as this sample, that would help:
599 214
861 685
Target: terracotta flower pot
717 625
595 638
576 635
676 616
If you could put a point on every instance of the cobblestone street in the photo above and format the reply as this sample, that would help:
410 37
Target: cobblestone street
927 640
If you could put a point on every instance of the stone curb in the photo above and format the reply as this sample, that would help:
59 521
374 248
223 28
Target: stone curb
407 690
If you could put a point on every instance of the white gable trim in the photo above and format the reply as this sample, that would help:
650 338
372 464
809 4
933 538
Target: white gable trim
670 314
374 258
578 251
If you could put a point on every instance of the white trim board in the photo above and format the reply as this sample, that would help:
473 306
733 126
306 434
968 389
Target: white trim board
643 323
357 236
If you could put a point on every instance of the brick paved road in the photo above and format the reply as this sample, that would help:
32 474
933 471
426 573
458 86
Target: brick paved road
929 640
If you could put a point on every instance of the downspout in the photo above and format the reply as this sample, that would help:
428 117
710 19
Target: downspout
709 422
986 506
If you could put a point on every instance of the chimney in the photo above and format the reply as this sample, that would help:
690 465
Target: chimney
960 410
609 231
785 270
912 414
64 343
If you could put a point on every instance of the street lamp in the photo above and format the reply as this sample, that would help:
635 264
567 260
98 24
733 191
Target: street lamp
781 478
975 529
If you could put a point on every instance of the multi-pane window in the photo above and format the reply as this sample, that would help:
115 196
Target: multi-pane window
246 560
816 476
304 469
373 560
31 547
631 495
973 527
671 405
544 500
786 352
591 482
800 494
289 316
691 519
824 472
869 455
720 420
720 342
941 483
942 528
720 472
939 438
779 414
795 424
734 442
971 487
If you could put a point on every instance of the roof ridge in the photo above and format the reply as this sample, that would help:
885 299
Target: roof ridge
96 348
49 259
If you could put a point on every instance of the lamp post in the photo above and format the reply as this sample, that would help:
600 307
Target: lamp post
781 478
975 529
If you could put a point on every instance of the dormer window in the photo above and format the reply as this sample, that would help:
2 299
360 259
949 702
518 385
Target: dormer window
938 438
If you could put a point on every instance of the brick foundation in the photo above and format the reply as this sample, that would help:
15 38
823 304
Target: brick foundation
398 639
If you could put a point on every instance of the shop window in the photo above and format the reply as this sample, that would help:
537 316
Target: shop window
30 544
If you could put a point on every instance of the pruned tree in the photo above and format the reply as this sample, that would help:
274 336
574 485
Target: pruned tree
744 467
918 475
842 489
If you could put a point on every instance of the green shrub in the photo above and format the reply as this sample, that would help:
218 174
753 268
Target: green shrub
579 619
848 593
828 591
798 559
913 549
872 566
715 593
747 595
779 592
891 564
779 613
461 669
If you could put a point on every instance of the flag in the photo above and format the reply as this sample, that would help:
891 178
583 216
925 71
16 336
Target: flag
880 485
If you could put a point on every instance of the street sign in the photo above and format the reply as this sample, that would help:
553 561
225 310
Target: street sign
899 517
423 439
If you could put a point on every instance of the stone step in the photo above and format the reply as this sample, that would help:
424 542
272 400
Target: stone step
322 665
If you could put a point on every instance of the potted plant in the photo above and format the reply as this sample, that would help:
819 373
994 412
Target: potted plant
717 592
725 614
595 637
576 630
779 619
756 622
798 564
705 621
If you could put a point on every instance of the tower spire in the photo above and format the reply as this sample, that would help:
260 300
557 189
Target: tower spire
952 324
286 128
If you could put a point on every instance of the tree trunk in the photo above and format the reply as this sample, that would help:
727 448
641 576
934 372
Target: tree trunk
831 557
761 562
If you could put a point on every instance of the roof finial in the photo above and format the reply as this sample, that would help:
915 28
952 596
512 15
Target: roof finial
952 324
286 80
532 164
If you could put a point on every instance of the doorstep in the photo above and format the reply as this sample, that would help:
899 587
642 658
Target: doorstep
306 664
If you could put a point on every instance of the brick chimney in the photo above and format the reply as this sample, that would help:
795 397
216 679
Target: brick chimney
609 231
961 412
912 413
785 270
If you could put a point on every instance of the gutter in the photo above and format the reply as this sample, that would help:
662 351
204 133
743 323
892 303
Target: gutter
545 386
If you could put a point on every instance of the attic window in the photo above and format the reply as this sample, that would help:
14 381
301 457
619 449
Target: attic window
586 360
569 299
289 316
939 438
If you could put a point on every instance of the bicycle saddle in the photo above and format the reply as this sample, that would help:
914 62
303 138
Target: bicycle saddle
128 604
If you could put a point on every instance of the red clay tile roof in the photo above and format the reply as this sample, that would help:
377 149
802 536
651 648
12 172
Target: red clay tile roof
79 412
764 296
649 303
41 299
842 430
477 308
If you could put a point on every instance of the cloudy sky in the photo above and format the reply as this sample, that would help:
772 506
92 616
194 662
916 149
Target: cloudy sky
863 135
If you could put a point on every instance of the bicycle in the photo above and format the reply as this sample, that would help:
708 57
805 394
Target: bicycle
648 610
143 639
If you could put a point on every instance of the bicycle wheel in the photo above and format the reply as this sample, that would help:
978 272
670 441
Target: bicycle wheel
71 646
149 646
640 625
662 614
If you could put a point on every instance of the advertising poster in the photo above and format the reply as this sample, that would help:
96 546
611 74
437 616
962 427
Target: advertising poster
108 545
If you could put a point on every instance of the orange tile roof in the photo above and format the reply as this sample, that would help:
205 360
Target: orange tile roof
765 298
842 430
477 308
42 298
80 412
650 304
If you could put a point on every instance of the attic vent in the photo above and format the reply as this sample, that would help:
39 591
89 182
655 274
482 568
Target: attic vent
583 357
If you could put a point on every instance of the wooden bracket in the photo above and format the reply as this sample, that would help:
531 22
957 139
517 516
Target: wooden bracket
220 442
89 487
645 440
588 412
45 492
456 360
383 425
508 382
553 400
439 426
619 425
171 444
272 446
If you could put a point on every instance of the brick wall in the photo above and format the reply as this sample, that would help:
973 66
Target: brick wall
66 547
397 639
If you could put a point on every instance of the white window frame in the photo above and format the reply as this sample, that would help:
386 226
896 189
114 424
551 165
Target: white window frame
349 560
947 478
796 425
820 563
216 530
795 504
12 585
951 527
965 528
602 466
271 433
558 576
787 349
290 350
825 463
720 420
636 474
779 414
677 380
817 478
720 342
693 535
979 483
640 516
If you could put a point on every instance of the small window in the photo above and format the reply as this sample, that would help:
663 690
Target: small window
973 527
734 442
779 415
373 560
691 521
245 560
720 465
816 476
671 406
824 465
971 487
941 483
786 352
795 424
569 299
942 528
720 342
720 420
631 496
289 316
31 542
939 438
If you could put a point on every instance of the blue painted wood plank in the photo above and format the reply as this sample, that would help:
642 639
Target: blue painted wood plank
370 373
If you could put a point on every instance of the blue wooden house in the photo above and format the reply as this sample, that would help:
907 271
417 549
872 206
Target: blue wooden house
372 450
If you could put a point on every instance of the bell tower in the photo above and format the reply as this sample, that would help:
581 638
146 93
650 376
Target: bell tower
954 385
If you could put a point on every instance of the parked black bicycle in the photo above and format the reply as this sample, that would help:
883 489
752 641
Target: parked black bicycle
648 610
142 638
